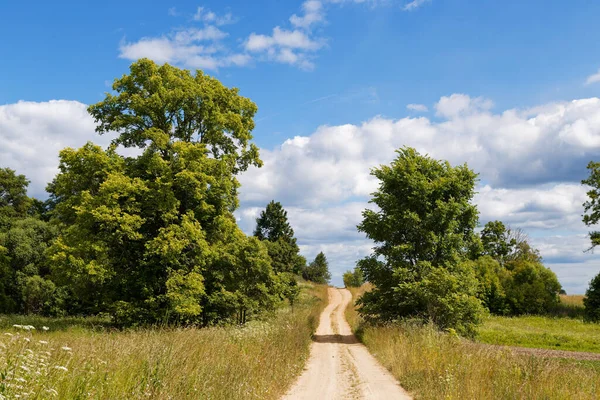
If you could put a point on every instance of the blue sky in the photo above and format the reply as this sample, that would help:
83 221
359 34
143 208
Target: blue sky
478 74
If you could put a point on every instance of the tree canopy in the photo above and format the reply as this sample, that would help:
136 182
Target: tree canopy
153 237
318 270
423 228
274 229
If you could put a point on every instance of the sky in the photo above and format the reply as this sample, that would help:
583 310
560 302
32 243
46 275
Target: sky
512 88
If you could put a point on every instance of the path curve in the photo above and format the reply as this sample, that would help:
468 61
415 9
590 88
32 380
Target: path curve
339 366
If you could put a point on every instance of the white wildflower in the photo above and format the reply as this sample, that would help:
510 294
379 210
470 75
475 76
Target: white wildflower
61 368
7 334
20 379
27 339
18 326
43 342
51 391
65 348
45 328
24 368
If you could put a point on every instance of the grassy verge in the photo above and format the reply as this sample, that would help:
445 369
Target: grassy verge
434 365
86 361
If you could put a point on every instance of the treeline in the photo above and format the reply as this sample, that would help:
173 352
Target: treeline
151 238
430 264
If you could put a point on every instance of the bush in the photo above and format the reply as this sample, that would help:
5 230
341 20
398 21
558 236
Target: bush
592 300
354 278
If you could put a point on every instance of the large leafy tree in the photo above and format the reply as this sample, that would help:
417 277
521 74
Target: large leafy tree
153 237
318 270
273 227
423 229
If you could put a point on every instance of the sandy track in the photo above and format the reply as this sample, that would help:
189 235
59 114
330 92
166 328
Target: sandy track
339 366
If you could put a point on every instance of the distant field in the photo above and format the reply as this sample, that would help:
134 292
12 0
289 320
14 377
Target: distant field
541 332
86 359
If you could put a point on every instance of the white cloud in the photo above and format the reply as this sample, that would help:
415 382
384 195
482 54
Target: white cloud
531 162
192 48
594 78
417 107
32 134
460 104
313 13
207 48
209 17
284 46
413 5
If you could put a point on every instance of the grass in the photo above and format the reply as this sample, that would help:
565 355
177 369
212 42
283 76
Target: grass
435 365
82 359
541 332
570 306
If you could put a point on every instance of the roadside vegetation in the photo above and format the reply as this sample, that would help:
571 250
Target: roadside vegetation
433 365
86 358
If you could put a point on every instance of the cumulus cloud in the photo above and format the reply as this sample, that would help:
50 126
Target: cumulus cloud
313 13
531 162
192 48
210 47
32 134
594 78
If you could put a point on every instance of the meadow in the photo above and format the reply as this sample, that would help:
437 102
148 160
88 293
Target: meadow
435 365
75 358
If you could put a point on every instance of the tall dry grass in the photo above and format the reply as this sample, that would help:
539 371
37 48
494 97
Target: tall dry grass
257 361
435 365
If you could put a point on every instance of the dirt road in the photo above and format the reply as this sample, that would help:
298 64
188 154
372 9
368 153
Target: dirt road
339 366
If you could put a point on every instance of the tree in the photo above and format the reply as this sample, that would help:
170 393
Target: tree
423 231
272 224
153 237
14 202
592 300
592 205
273 228
318 270
164 104
513 279
24 238
354 278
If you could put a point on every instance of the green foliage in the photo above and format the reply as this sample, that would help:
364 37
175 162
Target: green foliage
424 231
592 205
354 278
272 224
24 239
164 104
318 270
512 278
153 238
592 300
273 228
14 202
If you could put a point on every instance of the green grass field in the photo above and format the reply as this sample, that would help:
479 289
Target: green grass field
86 359
541 332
